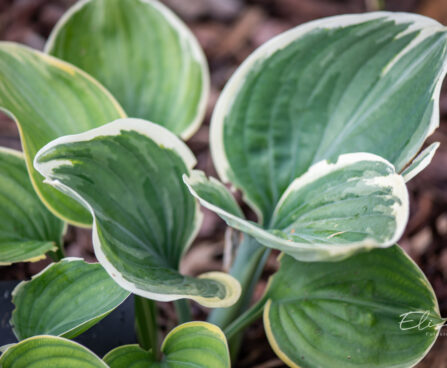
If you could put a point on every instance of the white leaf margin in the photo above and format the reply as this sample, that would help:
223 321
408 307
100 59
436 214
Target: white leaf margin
317 252
420 162
165 138
425 25
186 37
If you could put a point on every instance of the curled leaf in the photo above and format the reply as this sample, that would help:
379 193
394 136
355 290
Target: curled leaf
128 174
331 212
49 98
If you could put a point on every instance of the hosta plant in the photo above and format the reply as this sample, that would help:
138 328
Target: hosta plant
320 129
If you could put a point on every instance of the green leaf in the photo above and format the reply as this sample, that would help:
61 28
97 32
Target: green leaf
66 299
27 229
192 344
361 312
420 162
49 98
330 212
49 352
354 83
143 54
128 173
130 356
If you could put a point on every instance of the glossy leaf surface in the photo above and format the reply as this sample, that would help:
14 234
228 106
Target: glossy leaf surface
49 352
143 54
129 174
375 309
329 213
66 299
192 344
49 98
354 83
27 229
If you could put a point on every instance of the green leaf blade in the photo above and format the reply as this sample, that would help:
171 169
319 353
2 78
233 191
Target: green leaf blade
193 344
66 299
128 173
49 98
143 54
196 343
351 313
129 356
27 229
49 352
312 93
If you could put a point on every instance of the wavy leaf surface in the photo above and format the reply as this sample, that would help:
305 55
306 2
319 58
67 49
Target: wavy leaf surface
329 213
129 174
49 98
353 83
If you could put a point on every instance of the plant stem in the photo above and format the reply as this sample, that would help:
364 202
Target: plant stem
183 310
246 319
146 324
247 268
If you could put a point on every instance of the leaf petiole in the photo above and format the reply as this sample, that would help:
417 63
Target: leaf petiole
246 319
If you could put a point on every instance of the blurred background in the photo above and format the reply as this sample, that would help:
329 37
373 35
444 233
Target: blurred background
229 30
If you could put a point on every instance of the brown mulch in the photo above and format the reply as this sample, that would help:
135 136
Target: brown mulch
229 30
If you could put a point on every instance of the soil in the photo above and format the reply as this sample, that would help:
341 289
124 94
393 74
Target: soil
229 30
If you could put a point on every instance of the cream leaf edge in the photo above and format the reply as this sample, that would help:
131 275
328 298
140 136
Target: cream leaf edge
21 155
186 36
420 162
49 337
22 284
426 25
166 139
317 252
70 70
286 359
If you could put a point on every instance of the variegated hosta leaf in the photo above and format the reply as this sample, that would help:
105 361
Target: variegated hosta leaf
128 173
192 344
143 54
49 352
329 213
420 162
49 98
66 299
354 83
27 229
375 309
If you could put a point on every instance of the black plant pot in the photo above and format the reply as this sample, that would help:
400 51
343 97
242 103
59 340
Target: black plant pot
114 330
